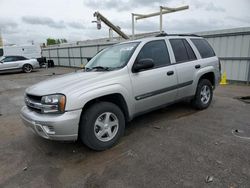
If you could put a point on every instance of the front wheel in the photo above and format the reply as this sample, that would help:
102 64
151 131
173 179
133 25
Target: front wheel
204 95
27 68
102 125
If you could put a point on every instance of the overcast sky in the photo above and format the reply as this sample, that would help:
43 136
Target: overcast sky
22 21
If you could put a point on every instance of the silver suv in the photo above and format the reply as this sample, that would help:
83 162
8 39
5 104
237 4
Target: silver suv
119 83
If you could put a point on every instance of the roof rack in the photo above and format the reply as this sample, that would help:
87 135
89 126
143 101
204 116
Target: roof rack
163 34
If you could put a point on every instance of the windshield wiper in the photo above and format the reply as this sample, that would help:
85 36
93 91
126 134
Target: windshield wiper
101 68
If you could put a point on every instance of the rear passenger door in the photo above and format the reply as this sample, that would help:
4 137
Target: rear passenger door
156 86
186 66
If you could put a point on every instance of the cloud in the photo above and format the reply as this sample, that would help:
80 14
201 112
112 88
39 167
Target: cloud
46 21
8 27
76 25
43 21
176 25
122 5
193 25
208 6
125 5
242 20
144 26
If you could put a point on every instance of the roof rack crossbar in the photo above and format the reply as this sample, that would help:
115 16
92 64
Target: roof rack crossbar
163 34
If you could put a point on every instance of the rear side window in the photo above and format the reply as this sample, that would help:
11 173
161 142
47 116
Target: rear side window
203 47
21 58
182 50
156 50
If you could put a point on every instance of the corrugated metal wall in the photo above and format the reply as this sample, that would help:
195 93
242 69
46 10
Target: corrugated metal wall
232 46
73 56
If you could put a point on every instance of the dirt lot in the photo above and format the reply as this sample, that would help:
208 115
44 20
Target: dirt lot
172 147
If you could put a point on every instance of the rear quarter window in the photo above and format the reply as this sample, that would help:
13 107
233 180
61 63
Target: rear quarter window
203 47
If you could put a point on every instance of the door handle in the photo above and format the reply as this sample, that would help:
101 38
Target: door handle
170 73
197 66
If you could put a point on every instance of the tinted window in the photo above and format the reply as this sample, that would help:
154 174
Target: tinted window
9 59
179 49
203 47
21 58
190 51
157 51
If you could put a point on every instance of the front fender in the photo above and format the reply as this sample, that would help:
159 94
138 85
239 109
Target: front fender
78 101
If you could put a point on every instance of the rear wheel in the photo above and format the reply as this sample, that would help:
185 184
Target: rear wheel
102 125
204 94
27 68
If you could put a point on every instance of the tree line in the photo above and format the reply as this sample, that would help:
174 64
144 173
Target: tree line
51 41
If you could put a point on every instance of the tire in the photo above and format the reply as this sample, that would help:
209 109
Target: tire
101 126
27 68
203 95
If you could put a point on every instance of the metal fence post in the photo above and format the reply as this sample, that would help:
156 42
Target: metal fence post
58 58
69 57
248 79
81 65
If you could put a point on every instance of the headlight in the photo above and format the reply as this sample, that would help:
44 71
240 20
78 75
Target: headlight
53 103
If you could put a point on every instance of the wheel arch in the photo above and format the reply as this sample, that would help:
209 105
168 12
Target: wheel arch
115 98
209 76
27 64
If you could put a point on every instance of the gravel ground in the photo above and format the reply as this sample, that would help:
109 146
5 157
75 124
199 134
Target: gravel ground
173 147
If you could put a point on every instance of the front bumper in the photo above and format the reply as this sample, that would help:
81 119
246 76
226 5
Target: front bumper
52 126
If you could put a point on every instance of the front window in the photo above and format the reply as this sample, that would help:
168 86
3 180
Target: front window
114 57
8 59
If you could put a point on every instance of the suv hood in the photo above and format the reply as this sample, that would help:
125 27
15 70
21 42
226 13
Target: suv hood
67 83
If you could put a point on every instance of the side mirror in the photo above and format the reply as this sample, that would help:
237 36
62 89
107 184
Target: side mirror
143 64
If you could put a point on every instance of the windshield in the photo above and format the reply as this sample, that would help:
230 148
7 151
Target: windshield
113 57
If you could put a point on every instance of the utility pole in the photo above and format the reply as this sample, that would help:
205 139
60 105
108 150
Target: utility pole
163 10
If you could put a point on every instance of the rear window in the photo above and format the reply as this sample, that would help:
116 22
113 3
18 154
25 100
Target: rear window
203 47
182 50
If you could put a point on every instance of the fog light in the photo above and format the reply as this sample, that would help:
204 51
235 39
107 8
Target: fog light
49 129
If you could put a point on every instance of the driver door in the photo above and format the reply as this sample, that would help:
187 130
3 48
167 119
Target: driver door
154 87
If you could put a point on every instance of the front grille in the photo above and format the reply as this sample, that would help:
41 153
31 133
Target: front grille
34 109
33 102
34 98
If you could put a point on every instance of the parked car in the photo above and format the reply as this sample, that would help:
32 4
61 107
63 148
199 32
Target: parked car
120 83
17 63
33 51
